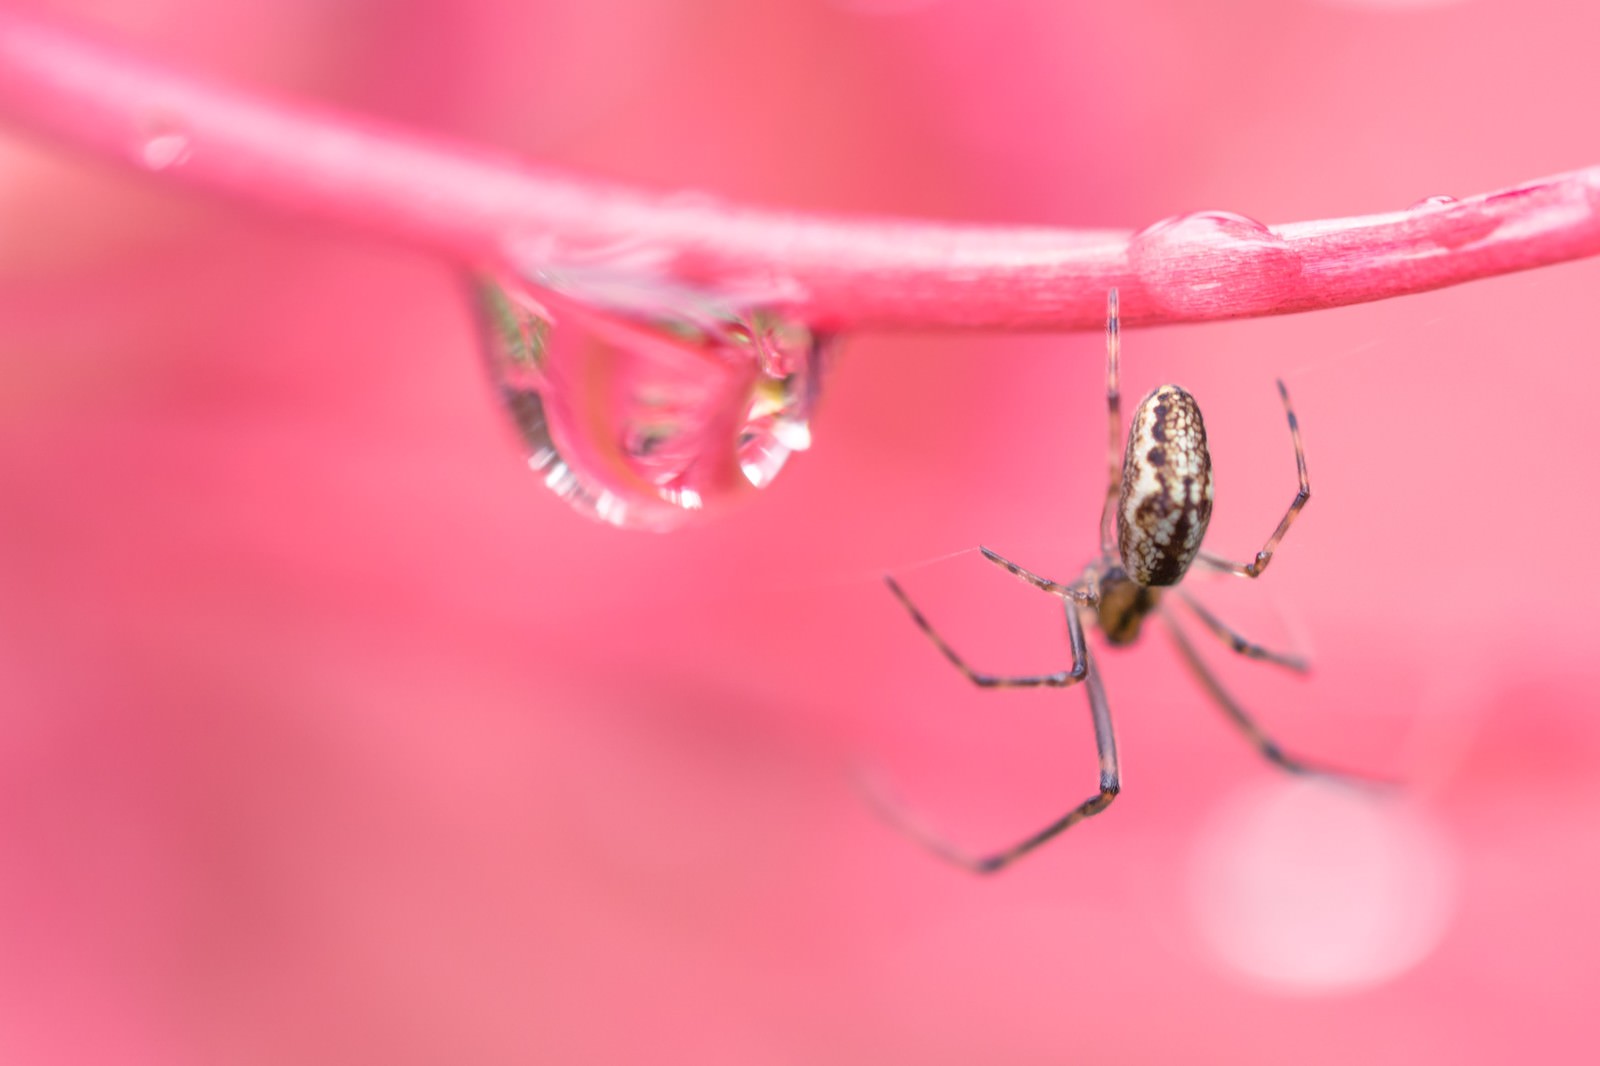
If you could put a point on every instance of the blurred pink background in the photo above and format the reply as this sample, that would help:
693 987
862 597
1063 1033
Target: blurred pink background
328 735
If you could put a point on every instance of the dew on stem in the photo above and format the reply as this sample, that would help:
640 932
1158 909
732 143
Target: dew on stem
1193 263
644 405
163 143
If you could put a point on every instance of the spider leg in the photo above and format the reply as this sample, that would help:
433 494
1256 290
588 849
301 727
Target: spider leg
1113 420
1253 732
1075 593
1264 556
1229 636
1059 679
1110 779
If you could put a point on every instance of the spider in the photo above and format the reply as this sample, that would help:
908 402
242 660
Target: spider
1158 495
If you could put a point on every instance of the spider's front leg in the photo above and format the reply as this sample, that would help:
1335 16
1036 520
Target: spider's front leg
1079 594
1113 423
1059 679
1083 669
1110 784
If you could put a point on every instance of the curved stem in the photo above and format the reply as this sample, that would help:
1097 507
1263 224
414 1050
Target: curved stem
491 210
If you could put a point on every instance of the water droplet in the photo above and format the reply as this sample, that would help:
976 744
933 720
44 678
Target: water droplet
1194 264
1454 229
1591 190
643 404
164 144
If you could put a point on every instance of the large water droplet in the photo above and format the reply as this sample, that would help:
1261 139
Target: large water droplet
1196 263
642 405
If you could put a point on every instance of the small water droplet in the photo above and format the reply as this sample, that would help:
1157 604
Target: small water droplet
164 144
1194 264
1454 229
643 404
1591 189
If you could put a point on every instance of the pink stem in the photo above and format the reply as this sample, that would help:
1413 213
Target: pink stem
492 211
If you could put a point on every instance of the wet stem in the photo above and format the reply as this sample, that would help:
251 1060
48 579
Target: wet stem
494 212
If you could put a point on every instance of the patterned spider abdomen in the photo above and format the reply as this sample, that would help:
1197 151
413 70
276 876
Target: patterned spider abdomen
1166 488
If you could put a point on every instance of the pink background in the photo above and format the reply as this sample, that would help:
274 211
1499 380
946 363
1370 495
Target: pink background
327 735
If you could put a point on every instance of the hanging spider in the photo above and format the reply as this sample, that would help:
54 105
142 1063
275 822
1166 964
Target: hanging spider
1159 495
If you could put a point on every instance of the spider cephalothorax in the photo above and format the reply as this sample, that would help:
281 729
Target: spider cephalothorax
1122 606
1158 496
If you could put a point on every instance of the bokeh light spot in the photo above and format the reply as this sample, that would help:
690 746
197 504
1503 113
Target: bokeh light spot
1315 887
1391 5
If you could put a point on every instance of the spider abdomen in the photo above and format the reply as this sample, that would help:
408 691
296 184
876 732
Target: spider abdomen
1165 502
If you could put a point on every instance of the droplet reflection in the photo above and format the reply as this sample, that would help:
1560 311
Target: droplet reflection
164 144
1316 887
642 406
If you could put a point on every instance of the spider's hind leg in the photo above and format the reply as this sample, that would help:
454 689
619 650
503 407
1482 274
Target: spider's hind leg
1255 567
1268 747
1239 644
